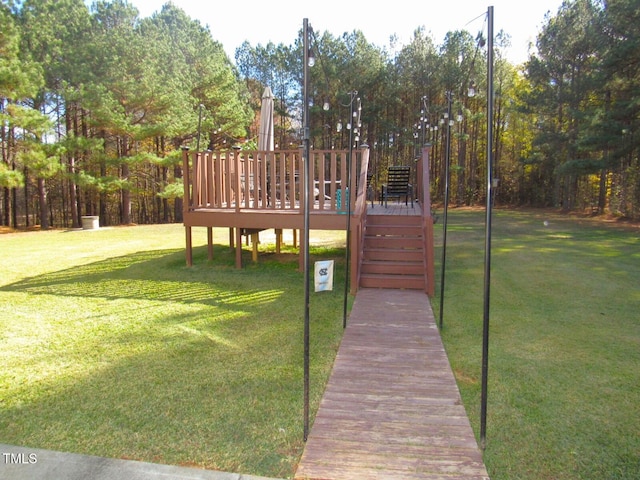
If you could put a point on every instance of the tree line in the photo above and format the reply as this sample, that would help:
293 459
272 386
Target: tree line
97 102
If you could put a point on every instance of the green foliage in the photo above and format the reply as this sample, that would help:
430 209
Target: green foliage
32 123
582 83
172 190
581 167
75 143
39 159
118 86
140 158
84 179
116 90
10 178
171 159
19 77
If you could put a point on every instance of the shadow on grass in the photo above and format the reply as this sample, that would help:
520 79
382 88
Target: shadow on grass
152 275
190 404
145 275
155 361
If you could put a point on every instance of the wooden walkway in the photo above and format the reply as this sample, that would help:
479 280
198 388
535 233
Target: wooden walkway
391 409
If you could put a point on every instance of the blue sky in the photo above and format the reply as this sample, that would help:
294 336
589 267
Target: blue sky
232 22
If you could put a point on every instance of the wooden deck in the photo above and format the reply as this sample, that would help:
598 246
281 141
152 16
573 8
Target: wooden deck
393 208
391 409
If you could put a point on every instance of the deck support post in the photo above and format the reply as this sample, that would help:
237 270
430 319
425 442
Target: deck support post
189 253
255 240
210 242
278 239
238 243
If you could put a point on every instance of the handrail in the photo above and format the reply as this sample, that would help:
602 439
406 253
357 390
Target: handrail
186 181
424 197
358 221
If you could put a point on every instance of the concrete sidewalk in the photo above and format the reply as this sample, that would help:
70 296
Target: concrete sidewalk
21 463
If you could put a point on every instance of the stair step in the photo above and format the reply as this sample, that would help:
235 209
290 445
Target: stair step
393 255
394 230
392 267
414 243
411 282
394 220
389 254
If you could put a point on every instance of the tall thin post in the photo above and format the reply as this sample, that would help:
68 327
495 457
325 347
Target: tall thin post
346 194
487 248
305 196
446 207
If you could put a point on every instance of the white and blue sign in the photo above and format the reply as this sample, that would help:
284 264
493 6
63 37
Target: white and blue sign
324 275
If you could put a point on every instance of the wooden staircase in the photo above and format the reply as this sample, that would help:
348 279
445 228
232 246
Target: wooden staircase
393 254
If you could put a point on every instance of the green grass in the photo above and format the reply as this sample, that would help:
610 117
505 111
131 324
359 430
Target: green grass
111 346
564 363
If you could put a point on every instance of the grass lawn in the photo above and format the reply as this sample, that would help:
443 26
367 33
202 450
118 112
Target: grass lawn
564 366
111 346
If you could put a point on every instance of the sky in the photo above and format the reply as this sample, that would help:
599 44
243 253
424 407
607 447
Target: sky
259 22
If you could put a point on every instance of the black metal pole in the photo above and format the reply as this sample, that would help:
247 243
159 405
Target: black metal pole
305 196
346 194
446 208
487 248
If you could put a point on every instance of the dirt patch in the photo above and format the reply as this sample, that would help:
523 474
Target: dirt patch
463 378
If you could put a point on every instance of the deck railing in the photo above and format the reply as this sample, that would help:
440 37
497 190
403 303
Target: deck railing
423 196
259 180
359 219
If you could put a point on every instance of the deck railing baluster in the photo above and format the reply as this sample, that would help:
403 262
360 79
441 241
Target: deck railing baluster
252 180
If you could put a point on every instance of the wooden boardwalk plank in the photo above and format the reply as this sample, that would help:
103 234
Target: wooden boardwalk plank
391 409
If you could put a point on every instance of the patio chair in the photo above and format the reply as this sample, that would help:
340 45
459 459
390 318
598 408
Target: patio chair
397 185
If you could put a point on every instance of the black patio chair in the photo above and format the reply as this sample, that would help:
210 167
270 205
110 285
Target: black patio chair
397 185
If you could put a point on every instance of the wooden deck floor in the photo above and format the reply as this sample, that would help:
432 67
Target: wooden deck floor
391 409
393 208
